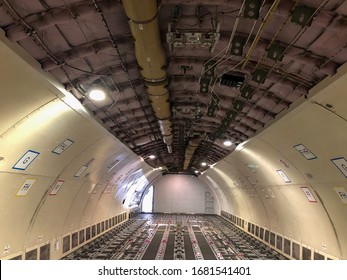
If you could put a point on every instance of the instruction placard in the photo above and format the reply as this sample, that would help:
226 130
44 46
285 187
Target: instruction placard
63 146
80 171
26 187
56 187
305 152
341 164
25 160
342 194
308 194
283 176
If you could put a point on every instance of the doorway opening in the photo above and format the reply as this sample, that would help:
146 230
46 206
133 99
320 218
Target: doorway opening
147 202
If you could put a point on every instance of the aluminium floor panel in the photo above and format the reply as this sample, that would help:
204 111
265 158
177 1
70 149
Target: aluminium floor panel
175 237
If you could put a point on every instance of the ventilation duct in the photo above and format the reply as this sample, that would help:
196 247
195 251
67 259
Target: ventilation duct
193 144
143 21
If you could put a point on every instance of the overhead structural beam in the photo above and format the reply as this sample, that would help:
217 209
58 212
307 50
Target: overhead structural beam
150 55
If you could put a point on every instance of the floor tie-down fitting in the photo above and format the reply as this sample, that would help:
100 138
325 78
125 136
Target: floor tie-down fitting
175 237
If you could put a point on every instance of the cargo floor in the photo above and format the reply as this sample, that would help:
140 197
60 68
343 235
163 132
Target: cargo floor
175 237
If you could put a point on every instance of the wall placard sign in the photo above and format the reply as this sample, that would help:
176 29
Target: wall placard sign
342 194
341 164
304 151
80 171
25 160
57 187
63 146
26 187
308 194
283 176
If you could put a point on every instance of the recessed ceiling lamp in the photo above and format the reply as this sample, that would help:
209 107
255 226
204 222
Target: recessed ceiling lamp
152 156
97 93
203 163
227 142
196 171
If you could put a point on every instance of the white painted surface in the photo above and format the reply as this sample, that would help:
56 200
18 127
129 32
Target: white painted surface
180 193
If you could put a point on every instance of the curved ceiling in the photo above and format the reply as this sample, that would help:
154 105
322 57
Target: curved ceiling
229 67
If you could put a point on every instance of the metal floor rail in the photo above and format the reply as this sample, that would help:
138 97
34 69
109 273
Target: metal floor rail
175 237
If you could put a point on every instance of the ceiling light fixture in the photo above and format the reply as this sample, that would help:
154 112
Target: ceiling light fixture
203 163
97 93
152 156
227 142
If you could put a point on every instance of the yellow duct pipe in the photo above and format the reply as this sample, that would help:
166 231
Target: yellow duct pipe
150 55
159 95
193 144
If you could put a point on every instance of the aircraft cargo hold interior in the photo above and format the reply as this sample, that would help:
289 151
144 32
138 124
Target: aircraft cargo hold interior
146 173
